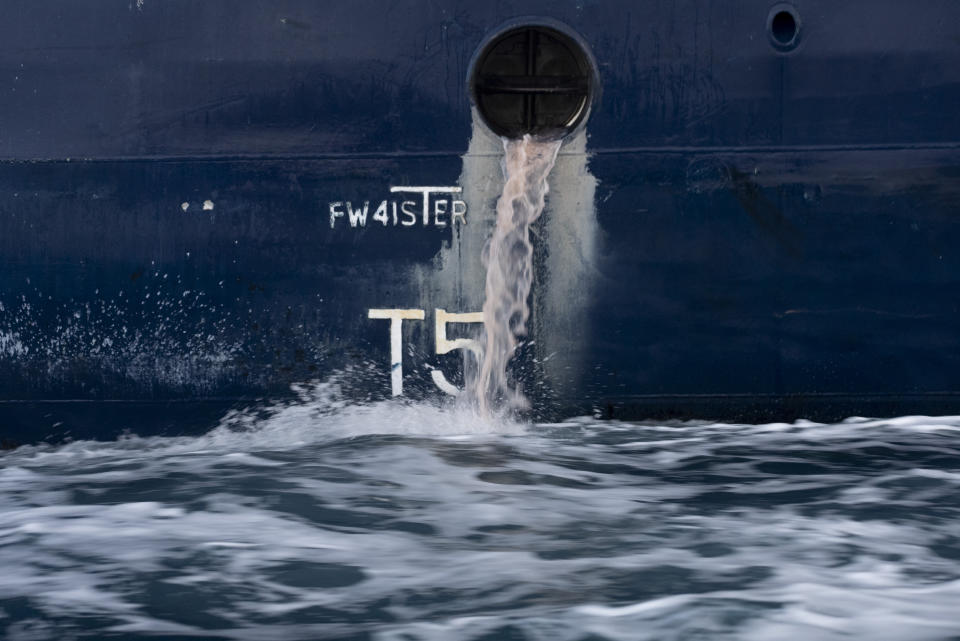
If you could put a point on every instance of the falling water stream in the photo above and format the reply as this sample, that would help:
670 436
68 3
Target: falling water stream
508 258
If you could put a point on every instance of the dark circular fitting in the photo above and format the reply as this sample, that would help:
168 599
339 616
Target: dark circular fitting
783 26
533 80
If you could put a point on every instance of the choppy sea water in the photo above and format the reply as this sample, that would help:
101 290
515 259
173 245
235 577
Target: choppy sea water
388 521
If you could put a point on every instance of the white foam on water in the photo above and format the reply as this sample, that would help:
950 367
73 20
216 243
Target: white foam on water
321 412
321 519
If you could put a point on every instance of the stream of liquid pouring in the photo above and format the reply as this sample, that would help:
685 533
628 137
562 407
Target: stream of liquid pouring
508 258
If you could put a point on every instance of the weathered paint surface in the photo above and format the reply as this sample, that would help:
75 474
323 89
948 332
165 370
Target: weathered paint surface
735 233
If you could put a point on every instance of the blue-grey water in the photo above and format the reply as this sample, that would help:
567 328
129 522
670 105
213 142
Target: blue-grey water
391 521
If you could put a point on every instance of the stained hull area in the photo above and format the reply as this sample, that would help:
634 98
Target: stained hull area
737 232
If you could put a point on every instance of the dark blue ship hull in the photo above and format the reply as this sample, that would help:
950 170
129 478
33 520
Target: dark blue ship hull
741 230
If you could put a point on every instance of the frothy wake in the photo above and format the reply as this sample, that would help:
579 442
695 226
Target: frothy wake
278 527
508 258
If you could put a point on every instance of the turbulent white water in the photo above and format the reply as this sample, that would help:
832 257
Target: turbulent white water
508 258
320 519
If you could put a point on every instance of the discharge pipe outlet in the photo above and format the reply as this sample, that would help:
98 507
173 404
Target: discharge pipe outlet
536 79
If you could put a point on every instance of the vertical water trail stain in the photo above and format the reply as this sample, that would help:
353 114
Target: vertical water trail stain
508 258
566 242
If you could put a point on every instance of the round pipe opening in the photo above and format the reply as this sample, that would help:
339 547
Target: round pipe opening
783 27
532 79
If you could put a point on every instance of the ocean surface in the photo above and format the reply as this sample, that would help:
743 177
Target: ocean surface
399 522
